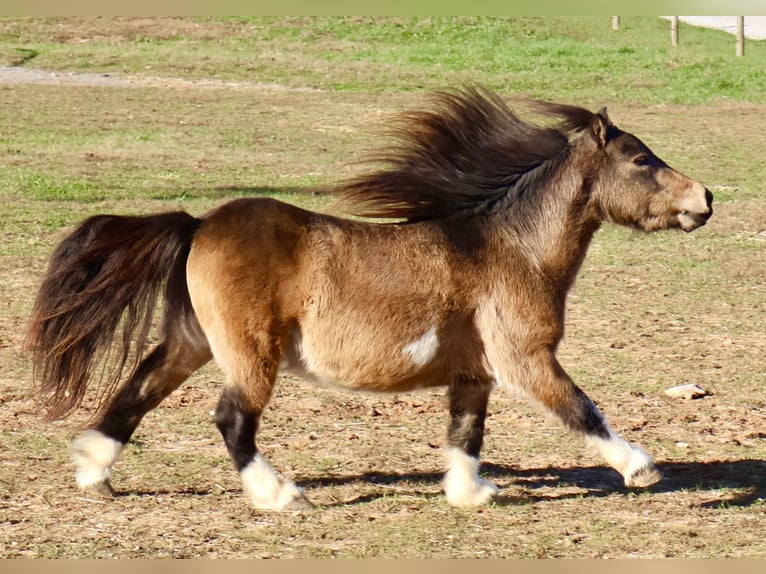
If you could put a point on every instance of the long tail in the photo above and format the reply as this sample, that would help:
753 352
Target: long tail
97 299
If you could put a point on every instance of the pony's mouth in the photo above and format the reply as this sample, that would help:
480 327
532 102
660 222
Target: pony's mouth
689 220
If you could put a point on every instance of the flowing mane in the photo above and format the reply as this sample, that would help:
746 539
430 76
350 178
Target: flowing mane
470 149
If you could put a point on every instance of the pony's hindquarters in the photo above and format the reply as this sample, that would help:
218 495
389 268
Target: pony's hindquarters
242 278
96 305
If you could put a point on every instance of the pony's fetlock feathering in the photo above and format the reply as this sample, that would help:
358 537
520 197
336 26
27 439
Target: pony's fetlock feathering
465 288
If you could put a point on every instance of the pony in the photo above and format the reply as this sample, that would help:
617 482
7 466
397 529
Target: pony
482 220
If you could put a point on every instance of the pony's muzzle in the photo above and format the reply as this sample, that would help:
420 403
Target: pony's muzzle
696 209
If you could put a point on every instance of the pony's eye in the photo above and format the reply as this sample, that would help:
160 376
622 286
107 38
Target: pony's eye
641 160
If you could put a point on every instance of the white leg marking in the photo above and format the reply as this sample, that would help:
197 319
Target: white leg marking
631 461
267 490
423 350
93 454
462 485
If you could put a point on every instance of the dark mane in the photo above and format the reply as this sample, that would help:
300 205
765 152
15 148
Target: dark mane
471 148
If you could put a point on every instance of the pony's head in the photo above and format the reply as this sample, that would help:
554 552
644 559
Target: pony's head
636 188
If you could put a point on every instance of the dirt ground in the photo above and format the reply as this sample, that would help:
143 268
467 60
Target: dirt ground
646 314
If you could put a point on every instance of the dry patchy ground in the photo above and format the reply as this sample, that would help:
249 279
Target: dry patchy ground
648 312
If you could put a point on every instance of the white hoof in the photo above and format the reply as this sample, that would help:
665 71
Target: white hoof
93 454
643 477
463 495
631 461
462 485
267 491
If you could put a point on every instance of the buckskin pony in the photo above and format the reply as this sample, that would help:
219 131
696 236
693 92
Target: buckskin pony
486 220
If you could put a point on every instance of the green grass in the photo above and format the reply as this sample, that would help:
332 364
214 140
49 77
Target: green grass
44 187
569 58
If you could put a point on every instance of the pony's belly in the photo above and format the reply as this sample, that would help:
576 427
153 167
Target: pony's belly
390 384
408 366
302 371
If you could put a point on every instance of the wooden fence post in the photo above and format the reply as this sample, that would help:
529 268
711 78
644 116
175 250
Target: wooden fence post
740 35
615 22
674 30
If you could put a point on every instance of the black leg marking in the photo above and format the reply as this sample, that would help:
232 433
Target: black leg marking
128 407
582 415
468 411
569 403
261 484
161 372
238 427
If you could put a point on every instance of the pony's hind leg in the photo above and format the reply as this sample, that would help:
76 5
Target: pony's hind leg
237 417
468 408
251 367
94 451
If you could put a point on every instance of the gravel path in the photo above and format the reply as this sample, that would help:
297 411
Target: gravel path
23 75
755 26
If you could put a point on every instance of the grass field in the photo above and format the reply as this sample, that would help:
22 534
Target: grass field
146 115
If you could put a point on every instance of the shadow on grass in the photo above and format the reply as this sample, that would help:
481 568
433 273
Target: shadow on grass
268 191
229 192
747 476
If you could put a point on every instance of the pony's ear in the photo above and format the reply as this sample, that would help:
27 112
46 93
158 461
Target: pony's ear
599 126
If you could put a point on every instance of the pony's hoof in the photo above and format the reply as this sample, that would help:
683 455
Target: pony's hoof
301 503
643 477
289 498
103 489
479 493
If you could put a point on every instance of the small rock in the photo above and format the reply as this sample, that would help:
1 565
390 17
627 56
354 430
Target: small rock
690 391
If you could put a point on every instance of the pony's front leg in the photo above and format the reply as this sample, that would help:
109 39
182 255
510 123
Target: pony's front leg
542 377
556 390
468 409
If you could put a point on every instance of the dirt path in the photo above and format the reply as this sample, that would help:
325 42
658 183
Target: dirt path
21 75
755 26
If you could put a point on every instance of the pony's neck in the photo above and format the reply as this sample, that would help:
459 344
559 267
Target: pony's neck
552 219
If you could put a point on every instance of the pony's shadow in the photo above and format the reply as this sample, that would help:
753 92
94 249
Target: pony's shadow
747 477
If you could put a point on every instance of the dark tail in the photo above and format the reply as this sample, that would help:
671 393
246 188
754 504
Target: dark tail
97 299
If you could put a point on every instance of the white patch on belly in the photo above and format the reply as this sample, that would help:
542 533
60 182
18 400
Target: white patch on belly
423 350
